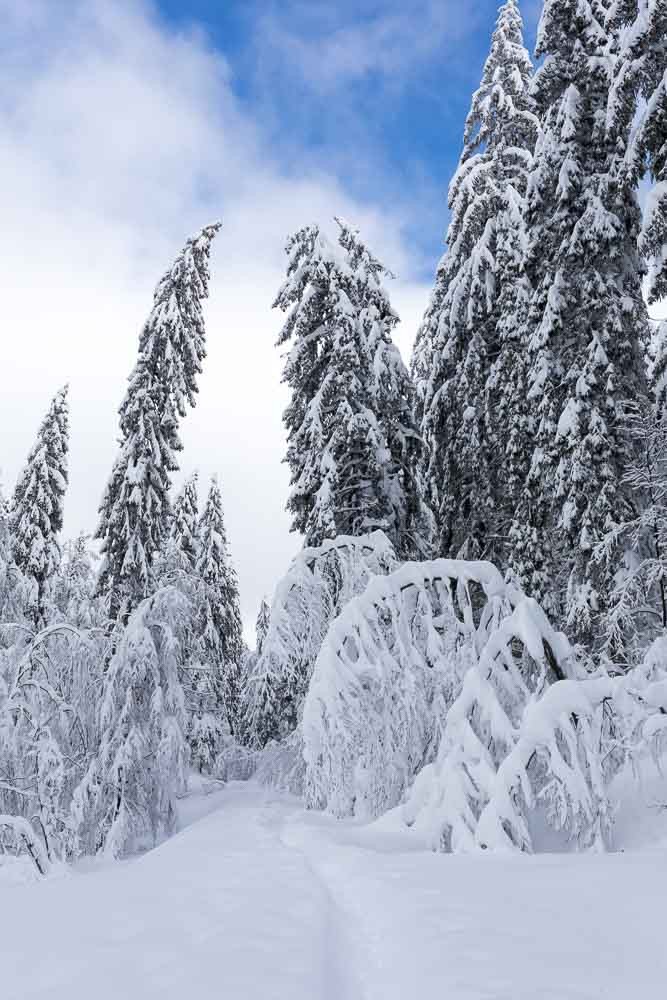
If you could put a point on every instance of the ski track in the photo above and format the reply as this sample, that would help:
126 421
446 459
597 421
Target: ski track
258 900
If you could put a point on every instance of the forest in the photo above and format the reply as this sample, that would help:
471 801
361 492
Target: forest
472 641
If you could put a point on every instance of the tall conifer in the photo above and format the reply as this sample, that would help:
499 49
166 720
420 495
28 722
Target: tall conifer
36 517
134 514
587 321
466 430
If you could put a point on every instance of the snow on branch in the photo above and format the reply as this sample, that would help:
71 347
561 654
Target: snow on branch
26 841
555 759
523 654
389 669
317 586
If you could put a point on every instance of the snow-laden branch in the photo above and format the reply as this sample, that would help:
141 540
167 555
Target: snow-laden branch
317 586
391 666
26 840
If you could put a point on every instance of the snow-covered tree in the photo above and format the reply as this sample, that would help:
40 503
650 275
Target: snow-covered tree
587 323
351 459
389 668
638 102
134 514
469 390
638 601
126 798
50 683
332 436
74 589
520 657
218 626
390 391
318 585
262 624
185 524
36 517
176 564
14 588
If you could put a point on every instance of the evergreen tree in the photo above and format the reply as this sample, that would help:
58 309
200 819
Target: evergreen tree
390 392
126 798
14 588
36 517
640 85
134 515
184 524
587 322
177 563
262 625
463 354
218 618
75 584
351 459
325 413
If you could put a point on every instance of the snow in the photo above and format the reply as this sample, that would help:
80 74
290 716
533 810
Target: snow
260 900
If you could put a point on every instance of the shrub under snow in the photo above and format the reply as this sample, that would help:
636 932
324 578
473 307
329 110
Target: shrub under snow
318 585
391 665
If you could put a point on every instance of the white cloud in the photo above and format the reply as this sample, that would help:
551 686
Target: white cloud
119 139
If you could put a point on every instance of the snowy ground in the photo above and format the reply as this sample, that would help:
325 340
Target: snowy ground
257 899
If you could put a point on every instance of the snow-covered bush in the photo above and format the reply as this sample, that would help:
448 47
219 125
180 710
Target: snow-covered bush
556 761
49 690
318 585
126 798
391 665
522 655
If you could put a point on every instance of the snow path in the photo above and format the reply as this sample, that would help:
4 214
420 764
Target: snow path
258 899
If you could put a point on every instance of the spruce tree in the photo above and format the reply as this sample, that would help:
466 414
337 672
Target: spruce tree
134 514
36 517
587 323
391 397
638 104
14 588
218 623
350 457
262 625
462 357
179 559
325 412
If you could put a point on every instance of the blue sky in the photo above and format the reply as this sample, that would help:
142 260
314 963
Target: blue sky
376 91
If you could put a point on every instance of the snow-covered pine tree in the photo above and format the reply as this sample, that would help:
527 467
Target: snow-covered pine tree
318 585
391 397
587 320
14 588
218 623
179 559
638 102
505 106
185 520
126 798
75 585
36 517
333 438
262 624
459 342
134 514
350 461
